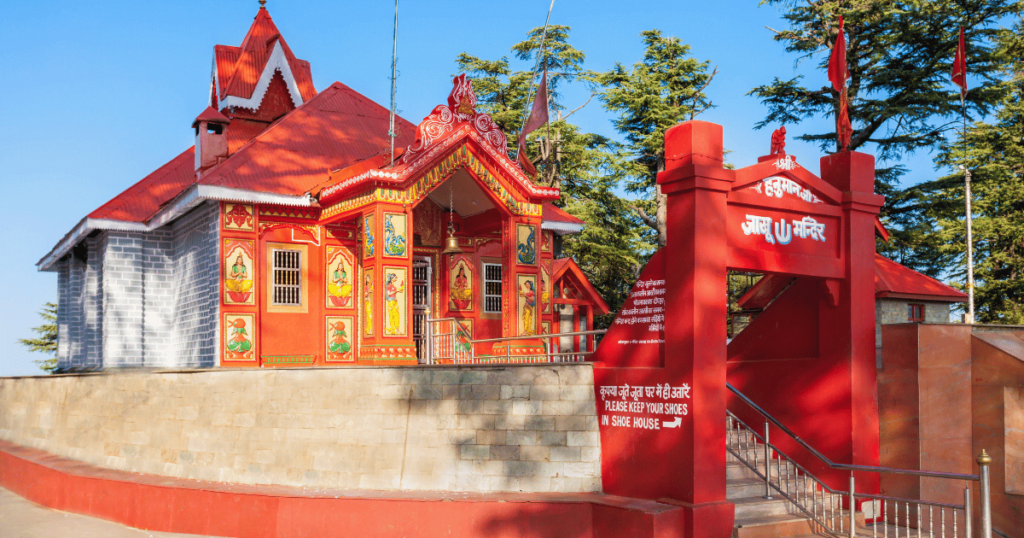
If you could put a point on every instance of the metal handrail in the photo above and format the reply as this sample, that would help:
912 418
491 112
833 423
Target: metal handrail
430 336
536 336
846 466
983 477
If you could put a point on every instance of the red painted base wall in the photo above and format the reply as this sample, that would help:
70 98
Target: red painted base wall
171 505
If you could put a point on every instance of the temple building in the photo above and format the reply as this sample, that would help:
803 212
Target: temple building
291 234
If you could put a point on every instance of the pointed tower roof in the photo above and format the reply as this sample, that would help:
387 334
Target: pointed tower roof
242 74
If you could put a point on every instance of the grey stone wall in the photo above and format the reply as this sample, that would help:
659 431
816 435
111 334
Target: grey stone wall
892 311
196 288
142 299
503 428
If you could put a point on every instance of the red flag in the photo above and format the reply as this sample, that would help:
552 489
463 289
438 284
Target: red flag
959 75
538 117
837 72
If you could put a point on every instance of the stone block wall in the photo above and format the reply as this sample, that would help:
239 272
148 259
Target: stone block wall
142 298
530 428
196 300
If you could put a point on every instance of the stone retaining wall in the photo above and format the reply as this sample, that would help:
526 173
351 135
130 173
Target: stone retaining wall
523 428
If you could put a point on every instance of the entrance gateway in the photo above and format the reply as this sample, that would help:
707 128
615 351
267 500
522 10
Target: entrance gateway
662 368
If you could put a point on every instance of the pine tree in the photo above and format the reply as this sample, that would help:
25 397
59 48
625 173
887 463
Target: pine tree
899 57
666 87
995 156
47 340
611 249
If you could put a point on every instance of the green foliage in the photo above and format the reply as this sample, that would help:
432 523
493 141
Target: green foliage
663 89
935 210
47 338
611 249
899 55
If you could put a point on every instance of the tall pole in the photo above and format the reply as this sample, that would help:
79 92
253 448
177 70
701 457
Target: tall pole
970 243
529 91
394 73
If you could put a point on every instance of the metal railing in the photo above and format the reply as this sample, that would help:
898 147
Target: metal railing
448 342
824 504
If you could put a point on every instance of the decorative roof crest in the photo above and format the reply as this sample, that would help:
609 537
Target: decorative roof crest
444 119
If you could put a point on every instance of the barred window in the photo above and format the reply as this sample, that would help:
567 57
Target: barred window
287 277
492 288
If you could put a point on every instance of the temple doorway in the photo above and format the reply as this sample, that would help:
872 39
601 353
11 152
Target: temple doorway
421 276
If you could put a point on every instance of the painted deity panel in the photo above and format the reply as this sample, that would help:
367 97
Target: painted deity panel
395 301
463 335
340 347
526 290
545 327
239 272
460 285
545 285
545 241
526 244
238 217
368 314
340 277
395 234
368 238
239 337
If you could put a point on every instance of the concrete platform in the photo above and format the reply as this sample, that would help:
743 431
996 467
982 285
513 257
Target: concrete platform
21 518
246 511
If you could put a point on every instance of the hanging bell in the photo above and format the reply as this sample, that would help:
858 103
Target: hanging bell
451 246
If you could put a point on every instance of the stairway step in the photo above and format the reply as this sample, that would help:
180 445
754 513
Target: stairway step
736 469
738 488
776 526
752 507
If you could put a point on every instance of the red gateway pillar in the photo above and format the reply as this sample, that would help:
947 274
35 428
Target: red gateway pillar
847 321
695 304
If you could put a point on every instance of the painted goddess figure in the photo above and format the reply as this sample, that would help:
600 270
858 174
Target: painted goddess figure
527 292
368 304
238 280
391 291
339 288
462 296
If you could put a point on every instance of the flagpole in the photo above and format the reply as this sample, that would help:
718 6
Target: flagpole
970 243
394 73
529 91
959 77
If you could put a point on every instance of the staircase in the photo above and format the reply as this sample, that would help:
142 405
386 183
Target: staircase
760 517
797 504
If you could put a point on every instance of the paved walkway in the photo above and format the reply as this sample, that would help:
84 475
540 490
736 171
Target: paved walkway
21 518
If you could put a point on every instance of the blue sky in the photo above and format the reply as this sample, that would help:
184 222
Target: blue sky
99 94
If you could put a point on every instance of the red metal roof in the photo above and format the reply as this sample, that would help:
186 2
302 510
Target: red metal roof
891 280
239 68
140 201
562 267
337 128
552 213
896 281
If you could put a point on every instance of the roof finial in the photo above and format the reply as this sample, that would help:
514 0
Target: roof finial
263 4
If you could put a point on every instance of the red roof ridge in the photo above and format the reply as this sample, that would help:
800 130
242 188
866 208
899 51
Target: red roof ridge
127 198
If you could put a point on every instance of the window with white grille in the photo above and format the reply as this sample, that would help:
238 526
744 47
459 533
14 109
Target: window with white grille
287 290
492 288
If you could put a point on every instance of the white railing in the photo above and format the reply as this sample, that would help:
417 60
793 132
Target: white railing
447 341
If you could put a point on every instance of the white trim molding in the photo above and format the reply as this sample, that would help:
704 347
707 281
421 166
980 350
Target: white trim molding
180 205
276 61
561 228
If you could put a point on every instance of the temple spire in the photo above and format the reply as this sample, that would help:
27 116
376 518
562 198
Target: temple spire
263 4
